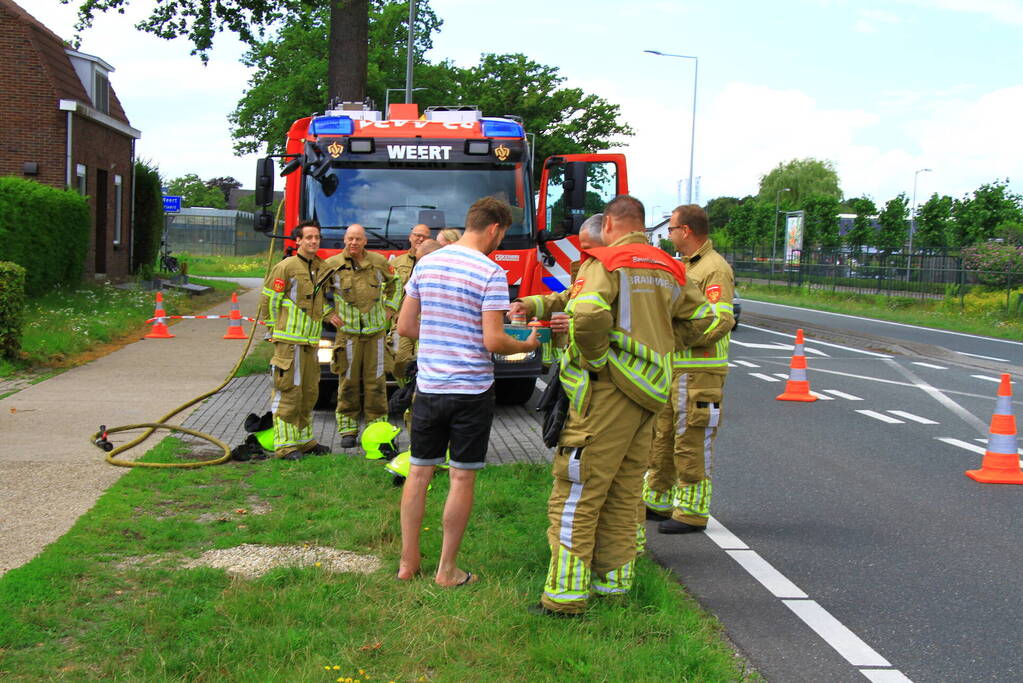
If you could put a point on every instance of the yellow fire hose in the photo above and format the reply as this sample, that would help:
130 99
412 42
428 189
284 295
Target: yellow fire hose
162 423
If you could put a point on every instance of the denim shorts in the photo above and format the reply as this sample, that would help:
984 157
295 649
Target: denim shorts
460 422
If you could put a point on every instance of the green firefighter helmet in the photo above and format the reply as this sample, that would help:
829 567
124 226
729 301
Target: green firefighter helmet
401 464
380 440
266 439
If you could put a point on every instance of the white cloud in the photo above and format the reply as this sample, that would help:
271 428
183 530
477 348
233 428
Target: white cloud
1002 11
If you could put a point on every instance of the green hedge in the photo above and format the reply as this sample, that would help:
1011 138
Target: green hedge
12 308
45 231
149 217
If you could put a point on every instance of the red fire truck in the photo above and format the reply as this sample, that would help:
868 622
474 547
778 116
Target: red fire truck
354 166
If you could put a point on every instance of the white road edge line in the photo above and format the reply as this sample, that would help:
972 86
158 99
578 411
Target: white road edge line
824 624
819 343
974 355
881 416
973 337
911 416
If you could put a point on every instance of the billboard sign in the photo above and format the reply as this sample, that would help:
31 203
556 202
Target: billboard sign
793 237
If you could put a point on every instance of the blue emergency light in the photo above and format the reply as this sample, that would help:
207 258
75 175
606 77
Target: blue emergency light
332 125
502 128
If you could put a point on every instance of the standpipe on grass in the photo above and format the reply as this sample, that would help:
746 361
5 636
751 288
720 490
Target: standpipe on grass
99 437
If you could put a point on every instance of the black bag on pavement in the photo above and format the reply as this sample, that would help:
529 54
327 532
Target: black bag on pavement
554 404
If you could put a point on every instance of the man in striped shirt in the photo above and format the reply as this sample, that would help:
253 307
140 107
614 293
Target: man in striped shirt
455 303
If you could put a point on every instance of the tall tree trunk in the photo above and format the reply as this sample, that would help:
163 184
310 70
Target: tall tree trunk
349 40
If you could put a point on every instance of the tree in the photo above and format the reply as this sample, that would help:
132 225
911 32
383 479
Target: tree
740 224
194 192
991 205
201 20
933 223
718 211
820 222
225 184
147 229
804 178
863 230
893 231
291 75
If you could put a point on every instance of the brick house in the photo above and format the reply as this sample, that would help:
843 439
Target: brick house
61 124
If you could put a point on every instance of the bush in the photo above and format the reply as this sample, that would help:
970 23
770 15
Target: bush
149 216
995 263
12 308
45 231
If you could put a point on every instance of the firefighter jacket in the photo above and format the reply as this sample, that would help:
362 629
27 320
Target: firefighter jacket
711 274
623 306
542 305
403 266
363 293
294 300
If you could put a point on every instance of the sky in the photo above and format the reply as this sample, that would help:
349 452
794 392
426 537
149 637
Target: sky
882 88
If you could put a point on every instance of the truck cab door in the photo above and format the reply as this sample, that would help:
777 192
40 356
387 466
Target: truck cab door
574 187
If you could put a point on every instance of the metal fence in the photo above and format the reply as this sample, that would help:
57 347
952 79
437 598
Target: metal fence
210 232
922 276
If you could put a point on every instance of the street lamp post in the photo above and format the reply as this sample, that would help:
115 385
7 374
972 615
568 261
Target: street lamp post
774 236
912 221
387 99
692 135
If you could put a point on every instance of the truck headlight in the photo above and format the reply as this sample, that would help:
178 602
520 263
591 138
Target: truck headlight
515 357
325 352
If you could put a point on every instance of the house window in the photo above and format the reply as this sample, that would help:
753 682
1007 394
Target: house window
80 175
117 209
101 93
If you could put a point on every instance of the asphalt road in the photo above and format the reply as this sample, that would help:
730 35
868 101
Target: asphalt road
857 547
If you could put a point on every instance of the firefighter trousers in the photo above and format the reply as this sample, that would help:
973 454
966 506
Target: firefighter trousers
362 388
682 458
401 351
598 478
295 374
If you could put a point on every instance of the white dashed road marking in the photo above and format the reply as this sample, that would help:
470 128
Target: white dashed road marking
842 394
928 365
974 355
880 416
823 623
823 397
818 343
911 416
985 377
969 446
766 378
747 364
781 375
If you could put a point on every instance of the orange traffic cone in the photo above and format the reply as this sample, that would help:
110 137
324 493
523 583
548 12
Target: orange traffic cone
798 387
234 328
1001 459
159 330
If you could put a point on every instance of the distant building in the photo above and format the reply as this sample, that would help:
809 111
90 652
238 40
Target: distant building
222 232
61 124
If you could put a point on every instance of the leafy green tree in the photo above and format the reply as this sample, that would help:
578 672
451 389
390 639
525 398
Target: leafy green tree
933 222
201 20
863 230
820 222
740 225
225 184
194 192
718 211
804 178
1010 233
991 205
290 80
893 230
147 230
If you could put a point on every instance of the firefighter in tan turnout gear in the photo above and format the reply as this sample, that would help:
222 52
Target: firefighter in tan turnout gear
365 301
617 374
295 304
678 485
401 350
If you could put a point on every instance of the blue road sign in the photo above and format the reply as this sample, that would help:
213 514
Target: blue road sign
171 204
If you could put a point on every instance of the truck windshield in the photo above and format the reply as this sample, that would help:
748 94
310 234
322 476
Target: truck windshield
389 200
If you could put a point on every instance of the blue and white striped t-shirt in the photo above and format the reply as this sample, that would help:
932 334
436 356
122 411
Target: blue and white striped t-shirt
454 286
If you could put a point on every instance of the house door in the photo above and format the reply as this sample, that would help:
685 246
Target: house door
101 221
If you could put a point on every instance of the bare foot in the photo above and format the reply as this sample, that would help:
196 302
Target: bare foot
407 573
453 582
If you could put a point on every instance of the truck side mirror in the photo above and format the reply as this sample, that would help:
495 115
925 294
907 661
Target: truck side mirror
264 222
264 194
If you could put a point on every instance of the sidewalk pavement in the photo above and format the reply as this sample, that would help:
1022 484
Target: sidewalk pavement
50 473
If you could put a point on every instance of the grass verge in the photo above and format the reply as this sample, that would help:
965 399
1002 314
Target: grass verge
110 599
225 266
73 325
980 312
258 360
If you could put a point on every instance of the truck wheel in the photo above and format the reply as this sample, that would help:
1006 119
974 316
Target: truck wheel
515 391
